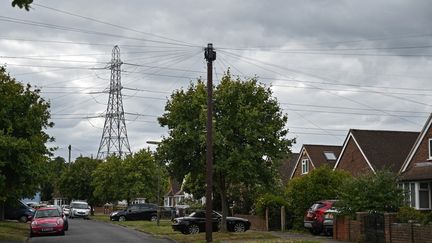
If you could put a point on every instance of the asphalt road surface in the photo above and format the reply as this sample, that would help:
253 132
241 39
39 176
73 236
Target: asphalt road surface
92 231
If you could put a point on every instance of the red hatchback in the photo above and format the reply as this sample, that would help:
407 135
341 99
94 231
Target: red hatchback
47 221
319 217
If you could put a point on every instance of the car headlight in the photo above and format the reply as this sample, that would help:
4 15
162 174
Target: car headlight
114 213
59 221
34 223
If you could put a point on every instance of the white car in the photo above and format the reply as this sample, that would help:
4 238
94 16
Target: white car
79 209
66 209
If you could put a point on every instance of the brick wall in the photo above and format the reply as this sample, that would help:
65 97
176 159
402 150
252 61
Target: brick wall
257 222
346 229
298 168
422 153
353 161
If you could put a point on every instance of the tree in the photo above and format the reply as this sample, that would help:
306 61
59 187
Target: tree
49 187
138 175
249 135
24 117
22 4
320 184
371 193
75 181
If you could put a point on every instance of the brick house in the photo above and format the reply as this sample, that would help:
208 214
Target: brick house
313 156
366 151
416 172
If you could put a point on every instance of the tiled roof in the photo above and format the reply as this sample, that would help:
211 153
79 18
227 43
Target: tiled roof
174 188
385 149
316 154
287 166
421 171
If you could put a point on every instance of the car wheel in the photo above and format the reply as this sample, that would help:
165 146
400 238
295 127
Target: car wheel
31 234
62 232
239 227
122 218
153 218
23 219
193 229
315 231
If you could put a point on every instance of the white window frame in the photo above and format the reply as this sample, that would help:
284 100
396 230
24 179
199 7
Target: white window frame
430 148
418 189
305 166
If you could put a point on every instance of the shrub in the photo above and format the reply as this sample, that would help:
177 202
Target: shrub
269 201
408 215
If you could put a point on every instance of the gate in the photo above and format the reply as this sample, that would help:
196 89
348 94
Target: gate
374 228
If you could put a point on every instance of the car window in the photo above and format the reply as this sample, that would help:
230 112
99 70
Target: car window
47 213
317 206
198 214
134 208
79 205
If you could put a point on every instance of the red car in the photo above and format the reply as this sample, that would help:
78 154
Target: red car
319 217
47 221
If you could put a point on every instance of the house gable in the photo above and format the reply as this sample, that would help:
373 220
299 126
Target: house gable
297 171
352 159
421 151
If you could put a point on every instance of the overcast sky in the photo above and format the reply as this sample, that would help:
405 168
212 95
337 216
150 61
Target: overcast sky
333 65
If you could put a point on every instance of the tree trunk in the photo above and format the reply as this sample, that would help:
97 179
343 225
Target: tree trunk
2 205
224 205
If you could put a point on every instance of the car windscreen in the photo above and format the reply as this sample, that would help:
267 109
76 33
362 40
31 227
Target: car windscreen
47 213
79 205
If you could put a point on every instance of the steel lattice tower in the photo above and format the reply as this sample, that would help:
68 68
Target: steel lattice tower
114 139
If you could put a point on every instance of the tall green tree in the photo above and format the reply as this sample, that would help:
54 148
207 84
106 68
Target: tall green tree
24 117
138 175
249 135
75 181
52 172
320 184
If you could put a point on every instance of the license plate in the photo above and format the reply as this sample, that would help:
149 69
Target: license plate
329 216
47 229
307 225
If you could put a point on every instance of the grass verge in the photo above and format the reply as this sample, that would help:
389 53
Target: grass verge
164 230
13 230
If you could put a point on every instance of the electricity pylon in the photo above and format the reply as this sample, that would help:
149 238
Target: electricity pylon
114 139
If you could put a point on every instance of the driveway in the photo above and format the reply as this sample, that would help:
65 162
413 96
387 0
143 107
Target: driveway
298 236
93 231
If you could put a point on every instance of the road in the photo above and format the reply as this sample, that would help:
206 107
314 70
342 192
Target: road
92 231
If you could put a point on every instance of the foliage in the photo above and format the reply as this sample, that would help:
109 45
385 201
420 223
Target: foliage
320 184
52 171
371 193
75 181
24 117
249 127
138 175
22 4
411 215
269 201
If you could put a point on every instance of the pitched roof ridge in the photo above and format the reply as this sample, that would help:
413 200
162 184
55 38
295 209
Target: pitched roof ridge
376 130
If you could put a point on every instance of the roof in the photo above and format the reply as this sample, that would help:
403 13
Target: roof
421 171
419 140
287 167
384 149
316 154
174 188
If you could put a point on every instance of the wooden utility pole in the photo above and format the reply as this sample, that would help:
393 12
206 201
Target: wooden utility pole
210 56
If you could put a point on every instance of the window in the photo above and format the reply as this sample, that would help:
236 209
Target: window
330 156
305 166
430 148
424 196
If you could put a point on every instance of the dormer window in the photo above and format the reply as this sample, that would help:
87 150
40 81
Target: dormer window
430 148
329 156
305 166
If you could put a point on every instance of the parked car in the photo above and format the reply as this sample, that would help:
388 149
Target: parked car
47 221
66 209
319 217
195 223
139 211
79 209
16 210
167 212
60 209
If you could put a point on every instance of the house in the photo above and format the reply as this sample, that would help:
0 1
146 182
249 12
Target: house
171 198
416 172
313 156
366 151
287 166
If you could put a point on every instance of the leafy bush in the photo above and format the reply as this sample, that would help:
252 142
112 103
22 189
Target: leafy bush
371 193
411 215
269 201
320 184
